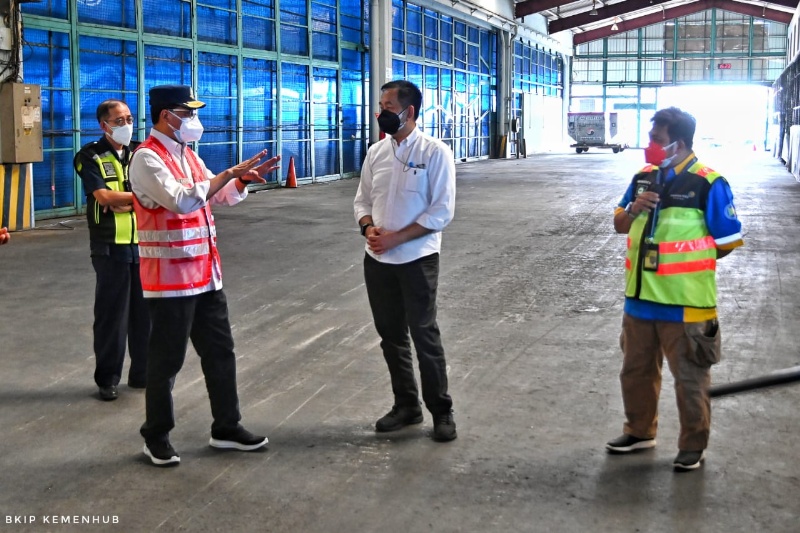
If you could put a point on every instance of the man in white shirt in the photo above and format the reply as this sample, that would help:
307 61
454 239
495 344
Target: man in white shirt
181 272
405 198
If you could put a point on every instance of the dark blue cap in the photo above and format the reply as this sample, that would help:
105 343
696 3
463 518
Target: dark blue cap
165 96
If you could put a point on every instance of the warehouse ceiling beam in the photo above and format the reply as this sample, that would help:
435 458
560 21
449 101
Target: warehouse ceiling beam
536 6
682 11
784 3
530 7
606 12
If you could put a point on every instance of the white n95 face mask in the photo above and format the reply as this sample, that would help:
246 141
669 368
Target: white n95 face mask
191 129
672 147
122 134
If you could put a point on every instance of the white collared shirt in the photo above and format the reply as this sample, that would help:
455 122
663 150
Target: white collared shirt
413 181
155 186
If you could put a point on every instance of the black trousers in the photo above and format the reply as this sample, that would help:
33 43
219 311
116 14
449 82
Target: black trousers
203 318
120 316
403 301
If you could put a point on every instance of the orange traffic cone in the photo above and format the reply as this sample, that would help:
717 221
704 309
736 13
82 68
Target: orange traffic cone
291 178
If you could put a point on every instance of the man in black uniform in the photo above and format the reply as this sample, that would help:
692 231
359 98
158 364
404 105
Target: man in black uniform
120 311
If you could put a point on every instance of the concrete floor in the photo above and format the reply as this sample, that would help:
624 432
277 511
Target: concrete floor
530 309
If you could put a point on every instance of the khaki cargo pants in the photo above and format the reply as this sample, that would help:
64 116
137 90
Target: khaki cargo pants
690 349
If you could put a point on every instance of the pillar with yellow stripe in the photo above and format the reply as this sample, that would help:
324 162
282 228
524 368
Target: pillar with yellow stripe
16 206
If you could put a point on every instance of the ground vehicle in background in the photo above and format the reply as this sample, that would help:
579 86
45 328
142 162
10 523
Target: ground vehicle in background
594 130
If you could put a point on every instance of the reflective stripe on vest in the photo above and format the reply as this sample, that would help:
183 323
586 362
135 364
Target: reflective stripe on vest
686 273
124 224
176 250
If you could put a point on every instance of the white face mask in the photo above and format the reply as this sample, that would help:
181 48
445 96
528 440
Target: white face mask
191 129
122 134
668 160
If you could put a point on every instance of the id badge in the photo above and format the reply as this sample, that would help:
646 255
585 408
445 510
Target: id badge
650 262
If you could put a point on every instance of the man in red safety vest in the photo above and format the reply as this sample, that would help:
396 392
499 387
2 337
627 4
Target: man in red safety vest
181 271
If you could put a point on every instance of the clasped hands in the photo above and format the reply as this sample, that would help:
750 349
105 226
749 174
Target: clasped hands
118 208
380 240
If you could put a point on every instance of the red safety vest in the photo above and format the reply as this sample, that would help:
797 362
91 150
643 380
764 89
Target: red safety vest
176 250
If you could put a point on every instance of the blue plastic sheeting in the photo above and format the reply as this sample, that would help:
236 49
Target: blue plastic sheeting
107 70
316 110
217 76
48 8
325 111
295 117
258 25
294 27
458 99
218 25
57 190
323 30
119 13
353 14
537 71
353 101
259 92
264 112
166 66
168 17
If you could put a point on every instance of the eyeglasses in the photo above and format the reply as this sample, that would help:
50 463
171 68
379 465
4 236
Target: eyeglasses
121 121
183 113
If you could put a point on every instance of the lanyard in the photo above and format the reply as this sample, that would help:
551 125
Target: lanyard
654 214
662 187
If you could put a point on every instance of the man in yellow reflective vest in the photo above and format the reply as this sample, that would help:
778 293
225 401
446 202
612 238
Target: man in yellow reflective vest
680 219
120 311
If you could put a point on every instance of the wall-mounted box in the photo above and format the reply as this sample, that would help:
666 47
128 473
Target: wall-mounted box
20 123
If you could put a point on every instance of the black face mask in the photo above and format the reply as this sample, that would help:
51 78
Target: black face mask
389 123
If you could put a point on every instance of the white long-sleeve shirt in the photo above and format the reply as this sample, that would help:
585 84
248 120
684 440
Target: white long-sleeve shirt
413 181
155 186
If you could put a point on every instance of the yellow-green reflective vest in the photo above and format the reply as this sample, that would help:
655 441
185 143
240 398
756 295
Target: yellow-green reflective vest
686 273
110 227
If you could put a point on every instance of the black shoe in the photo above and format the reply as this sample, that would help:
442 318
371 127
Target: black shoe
628 443
161 453
134 384
444 427
108 394
237 439
398 418
686 461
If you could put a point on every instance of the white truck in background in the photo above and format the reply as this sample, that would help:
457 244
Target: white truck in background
594 130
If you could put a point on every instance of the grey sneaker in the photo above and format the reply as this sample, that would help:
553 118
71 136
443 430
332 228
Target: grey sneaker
686 460
628 443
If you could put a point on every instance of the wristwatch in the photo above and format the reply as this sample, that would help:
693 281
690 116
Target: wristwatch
628 210
364 228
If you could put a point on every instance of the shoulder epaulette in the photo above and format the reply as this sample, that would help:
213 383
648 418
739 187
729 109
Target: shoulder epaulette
703 171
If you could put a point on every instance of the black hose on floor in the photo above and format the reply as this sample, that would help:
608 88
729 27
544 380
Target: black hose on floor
781 377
